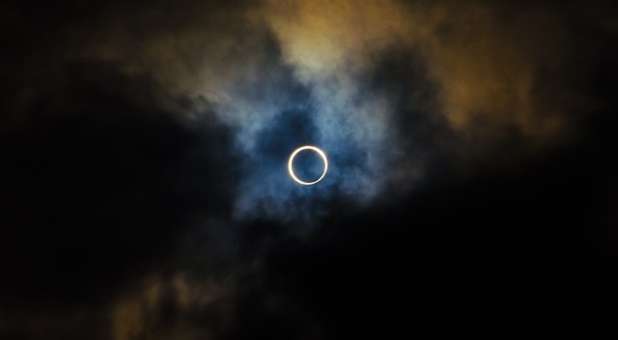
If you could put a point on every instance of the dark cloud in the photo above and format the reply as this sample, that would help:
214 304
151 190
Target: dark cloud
98 188
144 146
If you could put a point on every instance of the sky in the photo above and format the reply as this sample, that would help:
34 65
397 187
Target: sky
144 149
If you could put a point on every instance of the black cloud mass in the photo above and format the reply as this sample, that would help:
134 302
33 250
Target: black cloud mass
144 191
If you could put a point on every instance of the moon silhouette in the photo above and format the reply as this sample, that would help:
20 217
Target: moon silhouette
291 164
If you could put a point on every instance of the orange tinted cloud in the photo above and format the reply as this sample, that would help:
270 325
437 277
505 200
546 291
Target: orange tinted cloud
487 60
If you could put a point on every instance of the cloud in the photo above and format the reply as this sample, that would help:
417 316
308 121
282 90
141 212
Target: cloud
493 64
479 76
144 150
146 311
104 179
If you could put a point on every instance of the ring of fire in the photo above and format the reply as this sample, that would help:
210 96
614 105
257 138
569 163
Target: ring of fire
291 164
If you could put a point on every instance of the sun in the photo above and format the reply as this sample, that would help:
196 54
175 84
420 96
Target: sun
310 148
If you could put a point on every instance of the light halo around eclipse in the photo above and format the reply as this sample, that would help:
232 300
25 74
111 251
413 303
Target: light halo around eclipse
291 164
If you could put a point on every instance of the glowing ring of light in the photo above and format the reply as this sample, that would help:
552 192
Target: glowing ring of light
291 164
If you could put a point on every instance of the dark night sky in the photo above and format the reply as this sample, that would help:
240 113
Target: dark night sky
143 183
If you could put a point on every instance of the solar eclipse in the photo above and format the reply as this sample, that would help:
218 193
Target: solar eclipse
291 164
